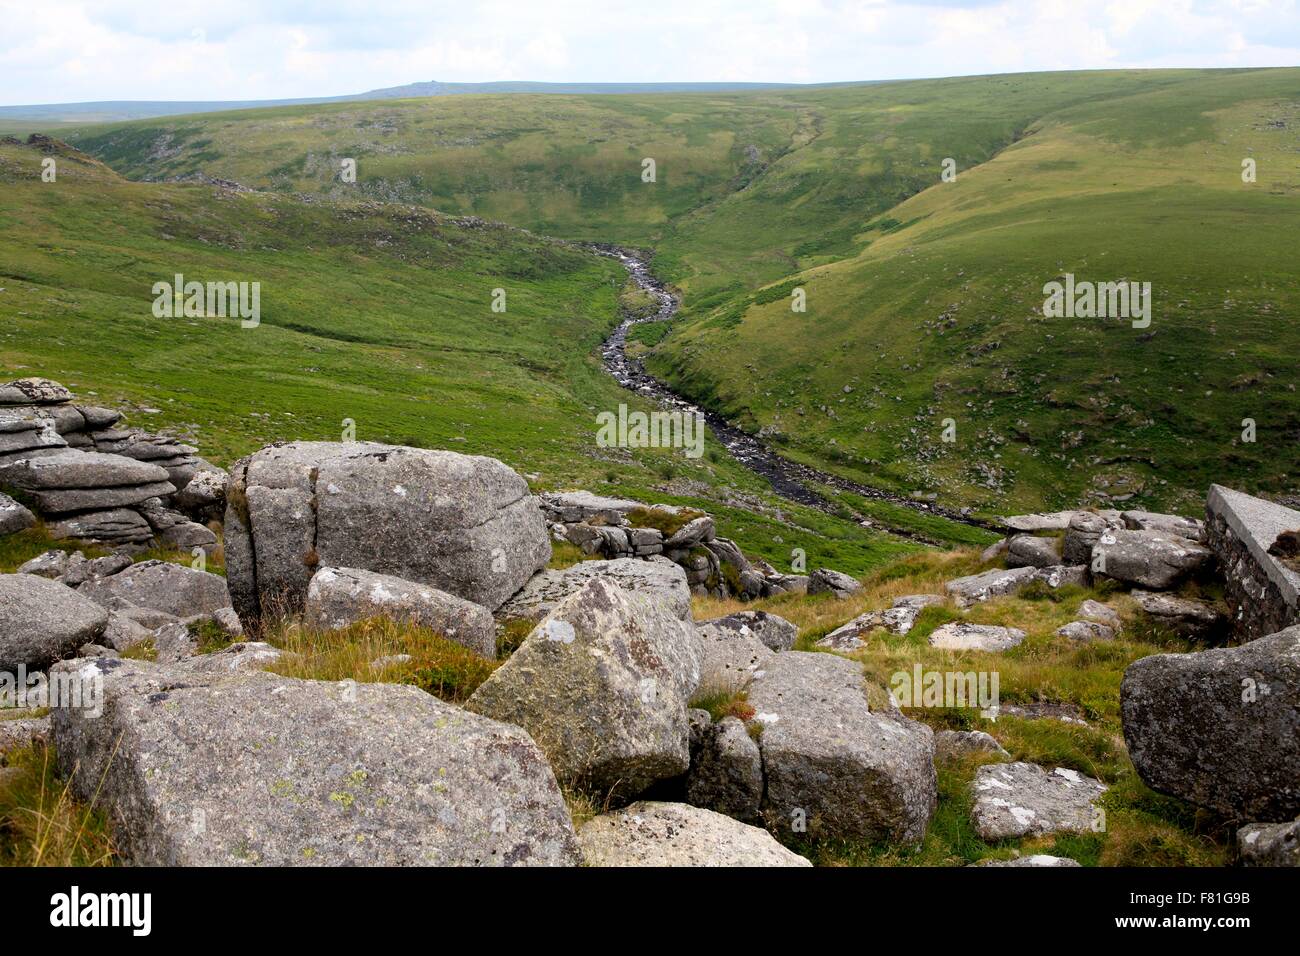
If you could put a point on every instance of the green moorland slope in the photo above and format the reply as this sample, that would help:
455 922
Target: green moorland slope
373 312
924 297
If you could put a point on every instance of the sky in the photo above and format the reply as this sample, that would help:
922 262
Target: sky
58 51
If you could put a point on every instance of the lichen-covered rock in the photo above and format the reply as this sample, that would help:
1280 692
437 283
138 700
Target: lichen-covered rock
1013 800
774 632
1091 610
160 586
42 621
898 619
975 588
1033 860
602 685
338 597
1031 551
1086 631
1220 728
729 659
832 768
675 834
726 772
949 744
1262 844
463 524
661 580
197 764
1188 528
1186 617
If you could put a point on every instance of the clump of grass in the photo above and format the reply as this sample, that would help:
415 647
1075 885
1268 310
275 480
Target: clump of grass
512 634
443 668
667 522
565 555
722 703
211 636
146 650
41 823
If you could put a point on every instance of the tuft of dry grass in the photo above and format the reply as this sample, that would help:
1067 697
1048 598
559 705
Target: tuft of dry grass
443 668
41 823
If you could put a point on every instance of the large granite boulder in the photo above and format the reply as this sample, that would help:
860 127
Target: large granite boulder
602 685
1031 551
726 772
674 834
33 391
1262 591
833 769
460 523
338 597
112 527
974 588
1186 617
774 632
1148 559
1013 800
42 621
1220 728
662 581
204 765
161 586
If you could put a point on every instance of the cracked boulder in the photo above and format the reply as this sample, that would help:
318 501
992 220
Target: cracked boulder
1149 559
460 523
42 621
1013 800
961 636
195 766
602 685
833 769
663 581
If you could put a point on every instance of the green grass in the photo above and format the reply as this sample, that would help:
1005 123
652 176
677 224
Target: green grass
41 823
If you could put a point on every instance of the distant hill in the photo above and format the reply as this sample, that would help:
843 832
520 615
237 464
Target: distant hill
113 111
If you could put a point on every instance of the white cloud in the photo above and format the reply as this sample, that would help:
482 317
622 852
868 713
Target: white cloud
72 50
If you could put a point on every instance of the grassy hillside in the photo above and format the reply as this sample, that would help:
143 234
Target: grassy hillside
924 297
371 312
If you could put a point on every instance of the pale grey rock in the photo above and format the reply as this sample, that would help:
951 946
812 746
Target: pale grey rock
74 469
1050 521
42 621
831 765
113 527
975 588
205 770
463 524
994 551
1030 551
122 633
338 597
203 498
160 586
726 773
602 685
1189 528
1013 800
174 642
824 580
1086 631
1186 617
13 516
1150 559
955 743
1081 535
962 636
663 581
1220 728
33 391
694 532
570 507
1033 860
675 834
52 564
62 500
730 657
1258 844
1091 610
175 530
228 621
898 619
1059 576
79 570
23 732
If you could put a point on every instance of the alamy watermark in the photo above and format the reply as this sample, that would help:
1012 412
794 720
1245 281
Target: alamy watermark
1098 300
80 690
676 429
947 689
199 300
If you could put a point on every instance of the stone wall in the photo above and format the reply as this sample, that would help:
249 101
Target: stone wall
1263 595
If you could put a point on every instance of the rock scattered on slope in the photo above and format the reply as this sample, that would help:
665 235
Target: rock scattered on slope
962 636
42 621
661 580
1013 800
955 743
826 581
1186 617
898 619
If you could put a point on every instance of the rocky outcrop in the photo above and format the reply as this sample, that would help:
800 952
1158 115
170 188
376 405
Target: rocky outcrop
898 619
1013 800
976 588
463 524
662 580
1031 551
950 744
194 767
674 834
1220 728
337 597
602 685
42 621
833 769
1188 528
1262 592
